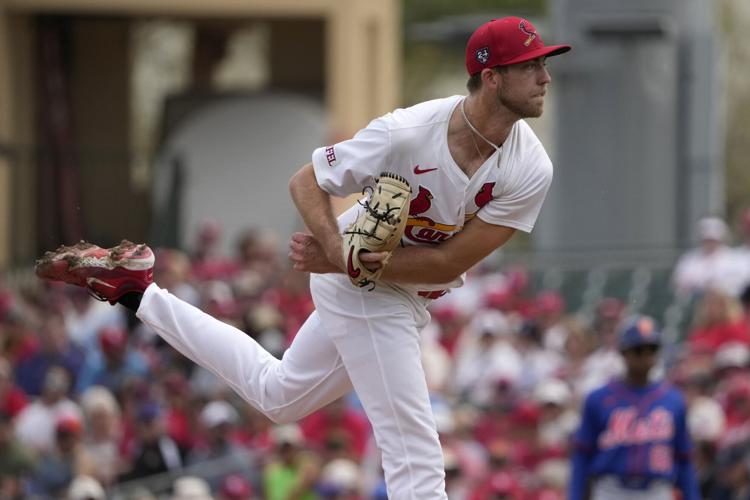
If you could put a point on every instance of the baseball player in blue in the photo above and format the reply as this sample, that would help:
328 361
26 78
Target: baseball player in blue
633 440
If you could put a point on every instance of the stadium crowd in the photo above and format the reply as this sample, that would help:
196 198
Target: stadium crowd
93 404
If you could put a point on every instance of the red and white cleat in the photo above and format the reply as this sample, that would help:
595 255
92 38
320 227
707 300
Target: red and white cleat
107 273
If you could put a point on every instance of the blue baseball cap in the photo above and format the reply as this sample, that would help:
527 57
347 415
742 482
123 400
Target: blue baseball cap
637 331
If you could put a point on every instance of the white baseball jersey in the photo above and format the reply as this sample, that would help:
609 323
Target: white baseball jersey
413 143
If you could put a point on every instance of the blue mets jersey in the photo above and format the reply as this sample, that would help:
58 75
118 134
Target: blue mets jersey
637 434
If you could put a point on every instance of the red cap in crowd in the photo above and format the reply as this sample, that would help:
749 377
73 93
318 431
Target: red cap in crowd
236 487
509 40
69 424
112 339
549 302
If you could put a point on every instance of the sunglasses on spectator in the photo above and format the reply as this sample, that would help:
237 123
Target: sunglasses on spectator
640 350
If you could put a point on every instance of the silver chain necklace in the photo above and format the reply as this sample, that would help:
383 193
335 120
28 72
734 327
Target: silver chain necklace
497 148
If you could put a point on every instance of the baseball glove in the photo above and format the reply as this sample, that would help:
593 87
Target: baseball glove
378 228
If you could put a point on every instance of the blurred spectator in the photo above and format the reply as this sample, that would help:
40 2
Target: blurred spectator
58 466
549 315
172 271
255 431
494 421
503 480
218 419
16 461
537 362
154 452
292 297
339 480
733 478
191 488
84 487
178 411
337 430
436 361
207 261
258 263
456 483
579 344
55 349
706 420
485 357
236 487
550 479
557 420
86 317
706 424
451 323
134 394
12 398
103 433
265 324
35 425
458 440
113 363
511 295
523 436
712 264
292 473
218 299
19 341
734 396
605 362
731 358
717 320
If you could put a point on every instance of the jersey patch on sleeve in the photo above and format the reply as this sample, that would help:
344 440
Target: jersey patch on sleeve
331 156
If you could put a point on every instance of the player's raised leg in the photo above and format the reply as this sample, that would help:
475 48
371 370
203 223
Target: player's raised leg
310 375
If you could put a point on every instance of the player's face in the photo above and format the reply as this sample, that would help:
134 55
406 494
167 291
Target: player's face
523 87
639 360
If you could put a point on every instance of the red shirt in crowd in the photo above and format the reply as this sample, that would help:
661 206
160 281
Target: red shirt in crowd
711 338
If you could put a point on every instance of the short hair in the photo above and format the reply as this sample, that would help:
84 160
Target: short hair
475 81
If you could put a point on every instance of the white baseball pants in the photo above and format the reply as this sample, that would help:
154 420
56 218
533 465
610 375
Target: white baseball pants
355 338
609 488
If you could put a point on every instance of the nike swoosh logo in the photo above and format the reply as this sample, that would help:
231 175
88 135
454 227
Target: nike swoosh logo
354 273
418 170
93 281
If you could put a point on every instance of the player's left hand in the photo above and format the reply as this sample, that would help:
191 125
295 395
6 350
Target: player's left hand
307 255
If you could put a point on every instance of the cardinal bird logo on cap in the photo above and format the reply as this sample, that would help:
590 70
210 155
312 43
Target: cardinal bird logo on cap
528 30
483 55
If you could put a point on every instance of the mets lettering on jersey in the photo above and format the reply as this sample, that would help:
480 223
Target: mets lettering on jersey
637 435
626 427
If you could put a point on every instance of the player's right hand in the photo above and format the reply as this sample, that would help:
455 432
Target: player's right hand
307 255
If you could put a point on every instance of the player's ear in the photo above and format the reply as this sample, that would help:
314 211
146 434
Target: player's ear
492 77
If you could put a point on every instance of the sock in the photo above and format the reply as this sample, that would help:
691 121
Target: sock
131 300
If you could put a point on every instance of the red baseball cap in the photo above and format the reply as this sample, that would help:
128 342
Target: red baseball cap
112 339
505 41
